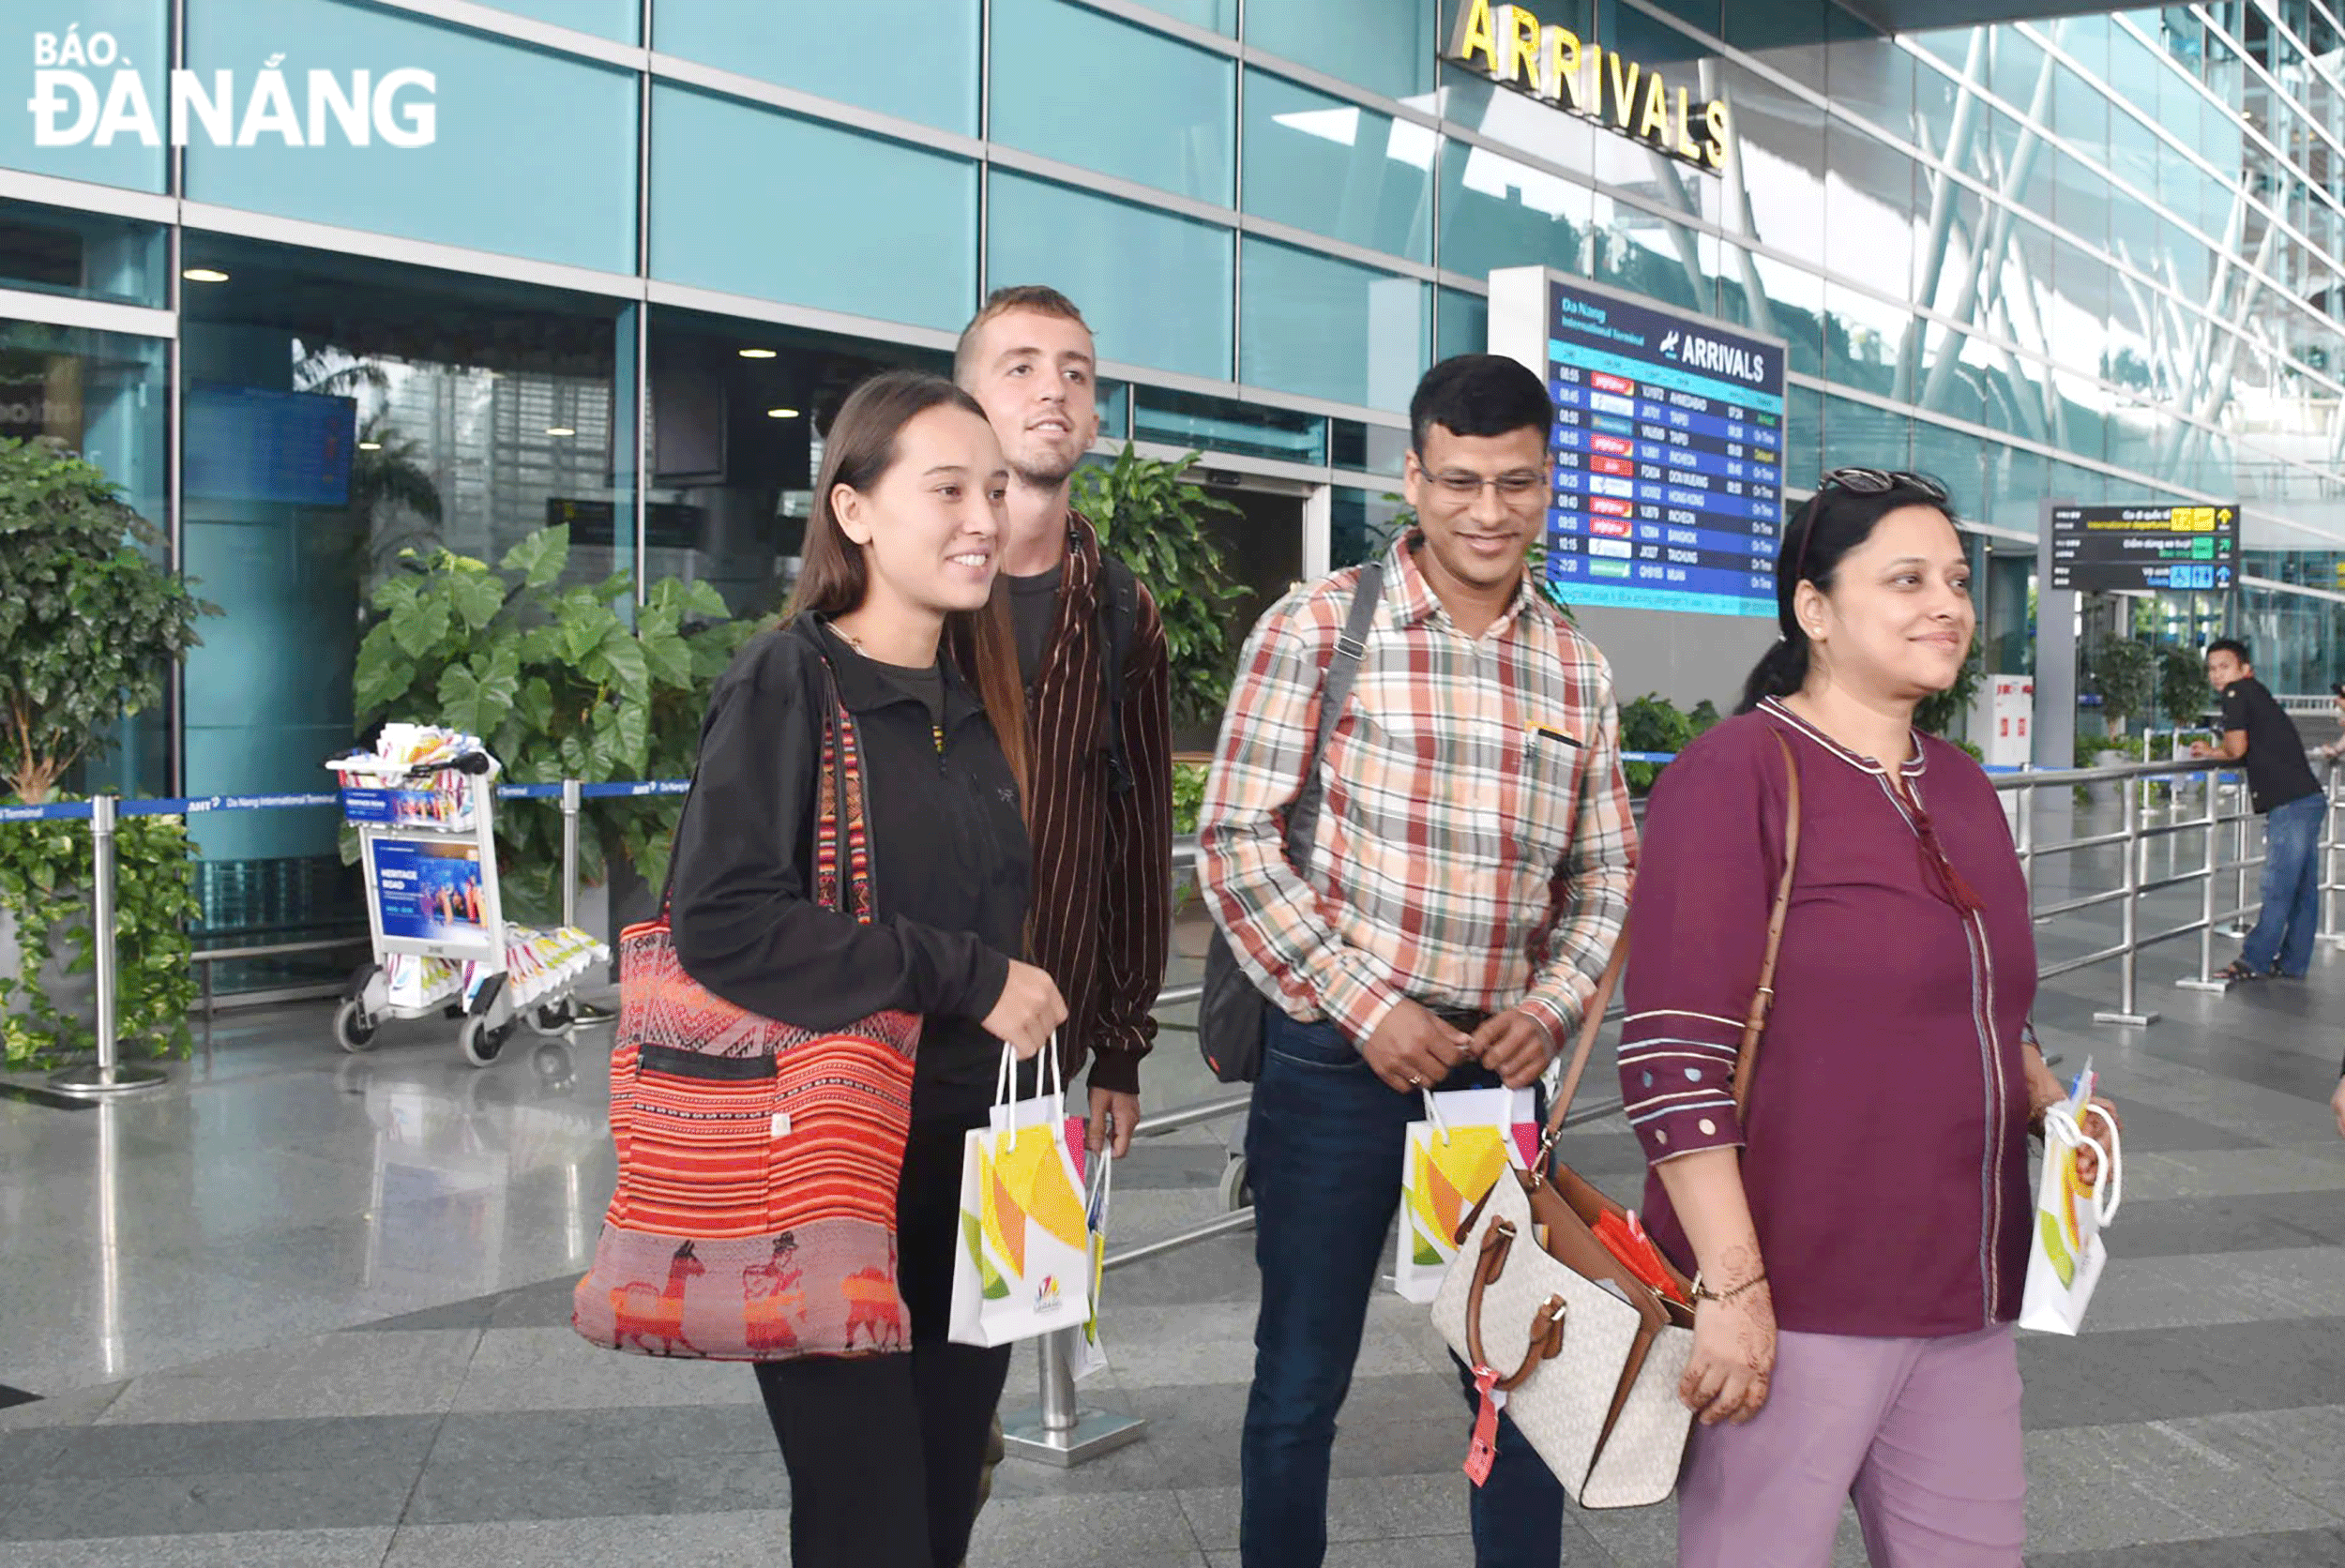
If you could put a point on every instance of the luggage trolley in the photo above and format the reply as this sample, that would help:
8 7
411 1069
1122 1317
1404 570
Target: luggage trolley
427 843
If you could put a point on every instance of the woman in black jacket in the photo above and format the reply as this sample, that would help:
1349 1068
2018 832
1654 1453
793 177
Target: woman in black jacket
900 597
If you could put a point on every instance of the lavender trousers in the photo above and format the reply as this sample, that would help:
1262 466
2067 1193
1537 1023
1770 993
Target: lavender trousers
1923 1433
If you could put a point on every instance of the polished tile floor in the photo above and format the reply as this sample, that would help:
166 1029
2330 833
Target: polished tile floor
308 1309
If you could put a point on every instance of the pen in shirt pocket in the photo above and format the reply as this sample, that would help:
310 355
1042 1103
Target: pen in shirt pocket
1547 732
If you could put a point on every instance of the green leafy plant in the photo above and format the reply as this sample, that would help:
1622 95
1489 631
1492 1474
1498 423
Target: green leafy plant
1161 525
44 881
91 621
90 628
560 685
2182 693
1189 796
2126 673
1936 714
1654 723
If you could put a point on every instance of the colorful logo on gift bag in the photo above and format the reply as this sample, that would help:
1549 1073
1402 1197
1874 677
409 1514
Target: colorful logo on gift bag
1446 1178
2062 1235
1022 1184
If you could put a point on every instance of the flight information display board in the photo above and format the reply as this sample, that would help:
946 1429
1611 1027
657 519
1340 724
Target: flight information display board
2100 549
1667 450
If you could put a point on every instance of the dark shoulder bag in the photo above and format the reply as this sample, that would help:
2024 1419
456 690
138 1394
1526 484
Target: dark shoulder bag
1232 1015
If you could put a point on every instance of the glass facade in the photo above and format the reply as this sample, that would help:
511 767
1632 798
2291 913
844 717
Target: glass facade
1156 287
1080 86
471 159
78 122
2094 258
926 73
813 237
87 255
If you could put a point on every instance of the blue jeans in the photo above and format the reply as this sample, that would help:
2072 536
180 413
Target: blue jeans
2291 889
1323 1153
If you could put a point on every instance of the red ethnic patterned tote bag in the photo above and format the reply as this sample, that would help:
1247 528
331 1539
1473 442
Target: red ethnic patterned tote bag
756 1215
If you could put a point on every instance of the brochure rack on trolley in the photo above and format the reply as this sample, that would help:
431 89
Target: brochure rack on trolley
428 846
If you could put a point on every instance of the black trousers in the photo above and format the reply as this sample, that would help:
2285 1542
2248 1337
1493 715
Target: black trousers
884 1452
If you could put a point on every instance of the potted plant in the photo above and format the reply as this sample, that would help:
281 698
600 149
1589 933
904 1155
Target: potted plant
90 629
1160 525
561 682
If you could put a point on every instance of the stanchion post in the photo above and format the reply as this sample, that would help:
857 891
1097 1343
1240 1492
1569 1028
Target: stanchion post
2328 853
2239 864
105 1075
569 851
2026 834
2129 914
1059 1431
2209 837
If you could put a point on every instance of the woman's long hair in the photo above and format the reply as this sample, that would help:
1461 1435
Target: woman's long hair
858 451
1833 521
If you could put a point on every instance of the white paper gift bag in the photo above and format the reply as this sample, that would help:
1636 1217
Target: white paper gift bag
2067 1254
1024 1264
1451 1160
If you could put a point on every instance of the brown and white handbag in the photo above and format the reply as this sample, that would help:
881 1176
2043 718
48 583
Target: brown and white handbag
1558 1332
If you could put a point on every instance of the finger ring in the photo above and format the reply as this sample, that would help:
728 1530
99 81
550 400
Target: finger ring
1416 1082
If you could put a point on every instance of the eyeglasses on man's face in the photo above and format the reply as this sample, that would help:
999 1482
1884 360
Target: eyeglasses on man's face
1458 486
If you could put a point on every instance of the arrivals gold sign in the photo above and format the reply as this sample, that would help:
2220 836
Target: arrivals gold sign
1509 45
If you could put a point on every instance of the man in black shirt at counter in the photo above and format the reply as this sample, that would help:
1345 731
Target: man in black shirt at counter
2258 730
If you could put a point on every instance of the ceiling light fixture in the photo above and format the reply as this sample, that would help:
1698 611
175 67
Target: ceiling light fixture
757 353
560 429
204 274
782 414
370 446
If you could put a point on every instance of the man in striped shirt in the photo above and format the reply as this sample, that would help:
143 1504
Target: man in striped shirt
1468 881
1101 762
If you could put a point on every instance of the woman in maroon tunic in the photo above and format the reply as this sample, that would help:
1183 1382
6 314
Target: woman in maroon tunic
1863 1254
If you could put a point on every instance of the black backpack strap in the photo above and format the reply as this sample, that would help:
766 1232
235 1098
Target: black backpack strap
1117 598
1334 690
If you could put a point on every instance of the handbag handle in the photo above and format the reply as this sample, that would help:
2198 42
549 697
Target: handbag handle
1050 1080
2109 1183
1762 999
1547 1324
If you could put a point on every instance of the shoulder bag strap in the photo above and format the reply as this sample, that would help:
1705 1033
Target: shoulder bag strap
1115 606
841 839
1334 690
1762 1000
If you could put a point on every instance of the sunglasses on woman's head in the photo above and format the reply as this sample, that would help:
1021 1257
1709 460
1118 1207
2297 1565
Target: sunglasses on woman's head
1876 481
1866 481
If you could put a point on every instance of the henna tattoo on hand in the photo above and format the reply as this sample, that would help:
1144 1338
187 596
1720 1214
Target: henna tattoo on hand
1738 1265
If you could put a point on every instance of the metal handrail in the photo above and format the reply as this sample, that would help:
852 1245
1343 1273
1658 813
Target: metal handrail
2132 838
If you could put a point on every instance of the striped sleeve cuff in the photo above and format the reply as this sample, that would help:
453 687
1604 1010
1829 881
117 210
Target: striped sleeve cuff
1677 1083
1355 1004
1551 1018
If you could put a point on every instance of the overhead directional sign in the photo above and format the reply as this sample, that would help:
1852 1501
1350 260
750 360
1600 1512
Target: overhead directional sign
2100 549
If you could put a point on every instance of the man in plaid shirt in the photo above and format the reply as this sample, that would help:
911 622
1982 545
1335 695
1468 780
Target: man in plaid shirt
1469 879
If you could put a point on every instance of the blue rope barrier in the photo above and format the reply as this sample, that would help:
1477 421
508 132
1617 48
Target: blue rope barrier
64 810
648 787
196 805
